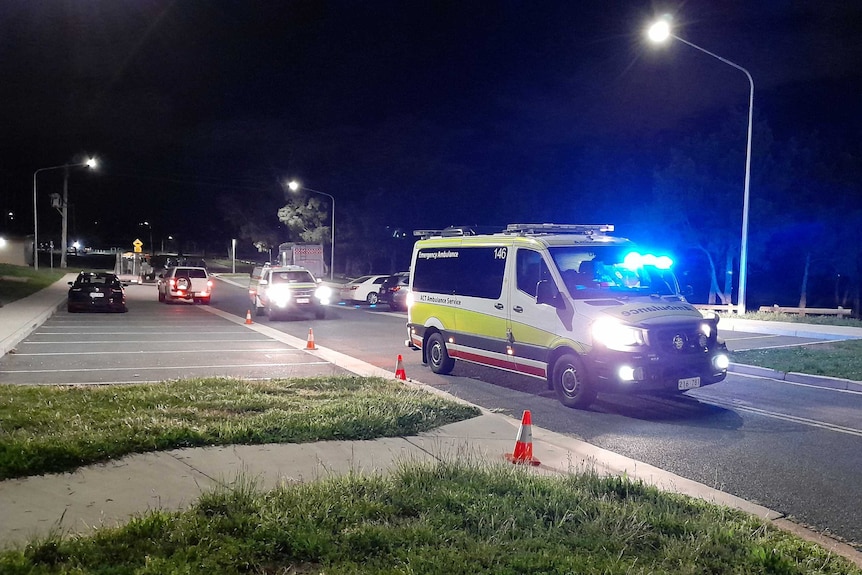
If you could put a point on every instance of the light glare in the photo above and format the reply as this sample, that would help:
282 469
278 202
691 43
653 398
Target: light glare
613 334
634 260
660 31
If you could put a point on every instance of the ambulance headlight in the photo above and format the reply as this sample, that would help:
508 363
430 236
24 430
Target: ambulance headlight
613 334
323 293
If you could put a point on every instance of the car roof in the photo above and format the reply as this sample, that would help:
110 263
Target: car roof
398 276
289 269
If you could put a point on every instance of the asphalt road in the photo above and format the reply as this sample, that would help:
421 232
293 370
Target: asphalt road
796 449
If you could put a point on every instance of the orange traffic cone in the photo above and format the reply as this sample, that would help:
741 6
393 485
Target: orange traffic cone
248 317
399 369
524 444
310 344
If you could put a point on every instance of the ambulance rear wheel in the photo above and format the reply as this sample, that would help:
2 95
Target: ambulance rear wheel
570 382
438 357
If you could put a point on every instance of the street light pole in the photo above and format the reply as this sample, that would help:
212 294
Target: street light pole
233 255
659 32
294 186
91 163
65 214
150 248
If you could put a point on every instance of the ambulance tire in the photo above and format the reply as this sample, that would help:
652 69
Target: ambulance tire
570 382
438 357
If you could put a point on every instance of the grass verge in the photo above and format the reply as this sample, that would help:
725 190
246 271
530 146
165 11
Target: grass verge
443 518
18 282
453 516
795 318
834 359
52 429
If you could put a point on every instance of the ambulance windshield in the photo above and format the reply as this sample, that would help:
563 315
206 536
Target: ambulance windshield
602 271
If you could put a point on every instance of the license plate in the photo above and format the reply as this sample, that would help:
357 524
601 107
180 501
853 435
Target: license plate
97 294
688 383
303 300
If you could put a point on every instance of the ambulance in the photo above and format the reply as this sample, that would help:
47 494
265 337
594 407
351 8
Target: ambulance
571 304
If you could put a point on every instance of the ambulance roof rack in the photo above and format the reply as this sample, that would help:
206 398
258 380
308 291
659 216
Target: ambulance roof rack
534 229
451 232
425 234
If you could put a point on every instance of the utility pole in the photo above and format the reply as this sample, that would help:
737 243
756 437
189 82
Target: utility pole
64 210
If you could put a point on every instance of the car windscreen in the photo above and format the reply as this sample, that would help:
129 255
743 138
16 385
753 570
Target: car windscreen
601 271
292 277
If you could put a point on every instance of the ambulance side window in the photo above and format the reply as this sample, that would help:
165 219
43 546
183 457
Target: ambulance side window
531 269
466 271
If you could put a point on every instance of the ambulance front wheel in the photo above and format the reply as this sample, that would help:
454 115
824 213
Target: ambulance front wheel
570 382
438 357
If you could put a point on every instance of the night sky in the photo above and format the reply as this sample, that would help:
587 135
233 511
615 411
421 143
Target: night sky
437 112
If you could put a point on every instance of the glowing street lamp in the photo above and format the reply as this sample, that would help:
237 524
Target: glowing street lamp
660 32
91 163
150 248
294 186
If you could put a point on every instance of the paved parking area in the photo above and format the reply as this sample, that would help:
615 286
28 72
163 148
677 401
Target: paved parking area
152 342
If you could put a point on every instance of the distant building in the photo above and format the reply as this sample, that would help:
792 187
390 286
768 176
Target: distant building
16 250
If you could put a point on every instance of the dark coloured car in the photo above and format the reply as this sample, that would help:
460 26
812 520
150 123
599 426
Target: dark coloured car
97 291
394 291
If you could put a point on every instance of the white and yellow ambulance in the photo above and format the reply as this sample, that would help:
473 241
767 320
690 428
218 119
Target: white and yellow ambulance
571 304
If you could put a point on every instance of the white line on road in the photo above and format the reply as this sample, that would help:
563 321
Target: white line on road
736 406
138 340
165 367
166 351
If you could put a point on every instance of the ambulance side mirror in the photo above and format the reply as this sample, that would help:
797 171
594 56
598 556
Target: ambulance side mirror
547 292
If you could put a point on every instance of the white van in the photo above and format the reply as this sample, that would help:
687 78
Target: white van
571 304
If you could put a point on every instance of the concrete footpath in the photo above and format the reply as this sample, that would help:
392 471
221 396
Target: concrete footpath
111 493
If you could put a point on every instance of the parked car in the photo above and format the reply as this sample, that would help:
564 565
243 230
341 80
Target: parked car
97 291
365 288
185 282
285 290
394 290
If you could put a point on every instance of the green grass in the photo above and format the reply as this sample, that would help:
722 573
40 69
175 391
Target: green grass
459 515
220 265
835 359
447 518
18 282
794 318
52 429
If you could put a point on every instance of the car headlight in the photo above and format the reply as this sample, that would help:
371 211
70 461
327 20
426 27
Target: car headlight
323 293
613 334
279 295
